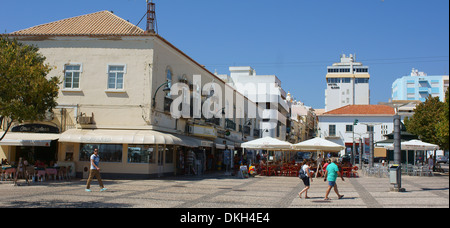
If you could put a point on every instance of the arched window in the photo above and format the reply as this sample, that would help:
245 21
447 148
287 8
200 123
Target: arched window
169 74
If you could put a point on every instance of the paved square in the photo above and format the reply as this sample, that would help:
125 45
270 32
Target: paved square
220 191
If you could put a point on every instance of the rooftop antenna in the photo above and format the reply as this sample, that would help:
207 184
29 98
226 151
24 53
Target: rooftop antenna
151 17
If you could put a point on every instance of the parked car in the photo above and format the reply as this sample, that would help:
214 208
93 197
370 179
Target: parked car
441 159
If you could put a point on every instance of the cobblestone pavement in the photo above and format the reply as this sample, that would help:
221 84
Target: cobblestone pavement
220 191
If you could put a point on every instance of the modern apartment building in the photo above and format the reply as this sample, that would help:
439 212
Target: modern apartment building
418 86
266 92
347 84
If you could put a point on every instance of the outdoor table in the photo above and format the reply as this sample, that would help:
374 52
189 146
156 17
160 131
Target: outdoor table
8 171
51 171
346 171
40 172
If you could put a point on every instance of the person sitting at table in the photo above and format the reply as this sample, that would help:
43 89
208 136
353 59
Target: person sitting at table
321 171
327 162
39 164
5 162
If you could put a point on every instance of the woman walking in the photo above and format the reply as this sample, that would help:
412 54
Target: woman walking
305 169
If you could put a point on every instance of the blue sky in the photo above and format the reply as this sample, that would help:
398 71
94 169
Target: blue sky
293 39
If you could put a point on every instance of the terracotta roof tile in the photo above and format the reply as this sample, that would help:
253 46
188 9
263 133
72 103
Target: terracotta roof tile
362 110
94 24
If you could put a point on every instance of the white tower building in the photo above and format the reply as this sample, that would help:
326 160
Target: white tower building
347 84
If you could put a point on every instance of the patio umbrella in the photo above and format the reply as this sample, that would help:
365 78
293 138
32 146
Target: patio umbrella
415 145
318 145
266 143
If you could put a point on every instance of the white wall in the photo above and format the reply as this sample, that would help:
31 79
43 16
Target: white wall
342 137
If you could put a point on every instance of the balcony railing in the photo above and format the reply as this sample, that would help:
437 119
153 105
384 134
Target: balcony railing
229 124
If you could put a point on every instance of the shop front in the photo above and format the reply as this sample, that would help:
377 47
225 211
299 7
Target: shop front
129 154
31 142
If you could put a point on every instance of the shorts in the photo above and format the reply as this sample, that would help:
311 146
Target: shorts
332 183
306 181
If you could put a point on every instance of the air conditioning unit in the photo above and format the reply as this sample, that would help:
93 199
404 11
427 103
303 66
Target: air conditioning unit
84 119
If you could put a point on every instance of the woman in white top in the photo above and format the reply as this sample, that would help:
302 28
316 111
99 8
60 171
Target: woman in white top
305 167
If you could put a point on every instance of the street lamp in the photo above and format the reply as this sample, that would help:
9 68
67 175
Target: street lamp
166 90
355 122
397 146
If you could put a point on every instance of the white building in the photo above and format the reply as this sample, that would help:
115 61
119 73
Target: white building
266 92
418 86
113 98
338 125
307 119
347 84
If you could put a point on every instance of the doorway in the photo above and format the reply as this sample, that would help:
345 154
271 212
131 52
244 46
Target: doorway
34 153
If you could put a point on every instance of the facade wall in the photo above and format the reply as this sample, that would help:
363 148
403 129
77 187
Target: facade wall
146 61
111 108
383 125
418 88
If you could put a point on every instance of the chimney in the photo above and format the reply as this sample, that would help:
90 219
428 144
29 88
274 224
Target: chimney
151 17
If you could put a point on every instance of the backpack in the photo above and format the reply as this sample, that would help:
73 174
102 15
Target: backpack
302 174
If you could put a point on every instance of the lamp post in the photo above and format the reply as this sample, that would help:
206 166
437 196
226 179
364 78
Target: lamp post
397 148
166 90
353 140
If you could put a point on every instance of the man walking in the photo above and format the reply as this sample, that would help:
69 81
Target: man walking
331 173
94 171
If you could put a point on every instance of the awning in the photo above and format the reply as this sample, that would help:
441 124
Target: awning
28 139
222 143
137 137
194 142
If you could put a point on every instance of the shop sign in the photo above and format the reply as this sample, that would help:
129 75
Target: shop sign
35 128
203 131
207 144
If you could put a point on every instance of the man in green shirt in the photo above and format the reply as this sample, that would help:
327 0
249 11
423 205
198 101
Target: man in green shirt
331 175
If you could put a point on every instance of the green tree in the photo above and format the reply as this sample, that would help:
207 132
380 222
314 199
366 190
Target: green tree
443 125
426 121
25 92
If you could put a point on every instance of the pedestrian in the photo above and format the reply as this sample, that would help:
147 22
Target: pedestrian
430 162
331 174
95 171
306 170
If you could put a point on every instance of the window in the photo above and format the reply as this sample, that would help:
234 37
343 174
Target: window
169 154
384 129
169 80
72 76
332 130
344 70
362 80
161 154
361 70
141 154
115 77
369 128
334 80
346 80
333 70
107 152
349 128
